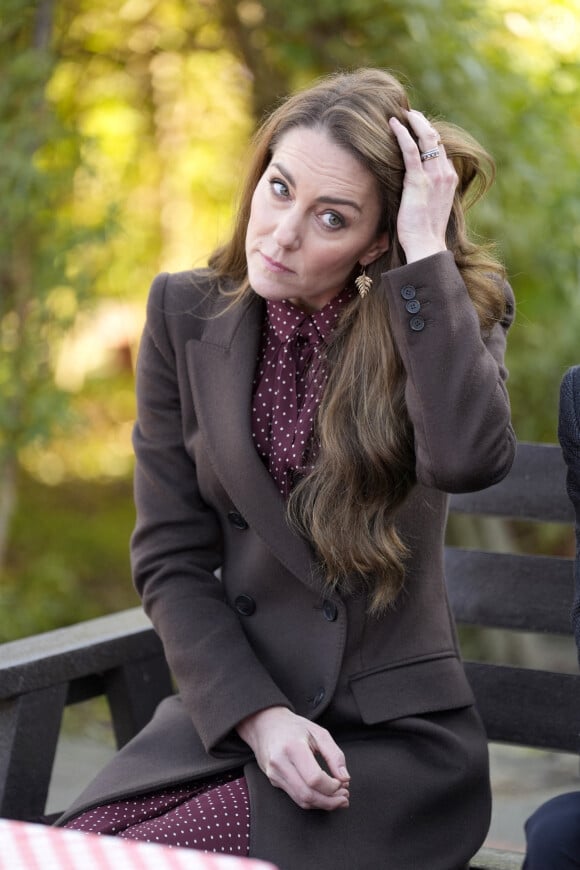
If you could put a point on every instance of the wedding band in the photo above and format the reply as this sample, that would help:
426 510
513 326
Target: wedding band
429 155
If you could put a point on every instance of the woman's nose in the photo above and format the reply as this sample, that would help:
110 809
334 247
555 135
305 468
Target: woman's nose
287 232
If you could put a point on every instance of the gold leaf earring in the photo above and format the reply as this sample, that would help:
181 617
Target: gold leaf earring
363 283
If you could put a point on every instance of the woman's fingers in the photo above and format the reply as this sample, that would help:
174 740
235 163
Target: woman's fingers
407 144
298 771
427 136
288 747
428 142
323 743
300 775
305 760
428 188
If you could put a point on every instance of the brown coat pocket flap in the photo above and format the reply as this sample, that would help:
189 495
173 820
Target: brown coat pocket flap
411 688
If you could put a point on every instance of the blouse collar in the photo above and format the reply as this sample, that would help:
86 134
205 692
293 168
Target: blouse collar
286 319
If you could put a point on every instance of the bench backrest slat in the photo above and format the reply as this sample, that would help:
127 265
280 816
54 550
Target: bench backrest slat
522 706
524 592
534 489
511 591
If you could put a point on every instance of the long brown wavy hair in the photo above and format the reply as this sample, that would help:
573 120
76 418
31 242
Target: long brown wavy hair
365 466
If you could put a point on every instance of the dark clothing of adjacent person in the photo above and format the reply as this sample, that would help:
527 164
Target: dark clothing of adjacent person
391 689
569 435
553 831
553 835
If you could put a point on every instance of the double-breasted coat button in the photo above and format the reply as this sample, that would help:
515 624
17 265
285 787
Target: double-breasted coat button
329 610
319 697
417 323
413 306
245 605
237 520
408 291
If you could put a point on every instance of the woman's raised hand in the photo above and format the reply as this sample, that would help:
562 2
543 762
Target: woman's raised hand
428 188
286 747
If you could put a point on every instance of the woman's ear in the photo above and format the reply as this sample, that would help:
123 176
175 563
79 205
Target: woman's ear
381 244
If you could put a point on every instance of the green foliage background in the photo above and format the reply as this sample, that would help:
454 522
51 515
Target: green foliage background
123 130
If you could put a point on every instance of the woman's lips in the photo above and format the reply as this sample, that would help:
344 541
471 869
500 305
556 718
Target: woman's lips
274 265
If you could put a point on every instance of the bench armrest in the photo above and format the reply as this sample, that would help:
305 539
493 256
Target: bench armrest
118 656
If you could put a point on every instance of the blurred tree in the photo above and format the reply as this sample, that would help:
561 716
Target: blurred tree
38 301
103 112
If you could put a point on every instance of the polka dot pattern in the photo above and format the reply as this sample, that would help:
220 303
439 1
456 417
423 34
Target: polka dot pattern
288 385
212 816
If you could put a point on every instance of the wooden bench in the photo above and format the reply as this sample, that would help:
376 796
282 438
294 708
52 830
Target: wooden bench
120 656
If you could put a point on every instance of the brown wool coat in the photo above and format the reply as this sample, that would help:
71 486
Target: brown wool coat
391 690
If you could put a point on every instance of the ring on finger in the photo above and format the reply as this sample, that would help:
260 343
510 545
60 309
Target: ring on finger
429 155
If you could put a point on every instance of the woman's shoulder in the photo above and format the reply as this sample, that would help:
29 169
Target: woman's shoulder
180 304
194 291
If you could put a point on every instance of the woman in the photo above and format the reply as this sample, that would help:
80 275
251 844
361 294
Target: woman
303 407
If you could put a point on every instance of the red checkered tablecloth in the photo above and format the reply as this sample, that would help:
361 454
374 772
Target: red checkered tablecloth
24 846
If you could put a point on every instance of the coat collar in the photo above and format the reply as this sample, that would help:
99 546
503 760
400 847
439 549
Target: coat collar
221 367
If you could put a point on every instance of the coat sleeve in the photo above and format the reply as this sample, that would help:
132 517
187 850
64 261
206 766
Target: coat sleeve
455 390
175 549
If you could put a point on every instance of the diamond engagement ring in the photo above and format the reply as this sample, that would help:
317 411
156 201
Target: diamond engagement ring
429 155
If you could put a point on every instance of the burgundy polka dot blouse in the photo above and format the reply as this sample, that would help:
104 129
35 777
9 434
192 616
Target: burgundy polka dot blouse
288 385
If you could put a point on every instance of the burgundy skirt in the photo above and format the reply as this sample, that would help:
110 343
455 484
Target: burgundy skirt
212 816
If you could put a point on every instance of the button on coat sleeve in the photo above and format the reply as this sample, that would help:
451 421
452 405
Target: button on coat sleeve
456 393
176 547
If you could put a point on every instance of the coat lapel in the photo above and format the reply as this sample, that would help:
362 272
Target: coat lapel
221 367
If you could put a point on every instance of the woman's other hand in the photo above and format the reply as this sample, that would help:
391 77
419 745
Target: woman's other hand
428 189
286 747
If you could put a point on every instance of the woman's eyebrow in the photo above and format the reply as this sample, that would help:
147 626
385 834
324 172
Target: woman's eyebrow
331 200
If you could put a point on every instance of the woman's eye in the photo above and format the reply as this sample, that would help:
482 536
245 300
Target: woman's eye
332 220
279 188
